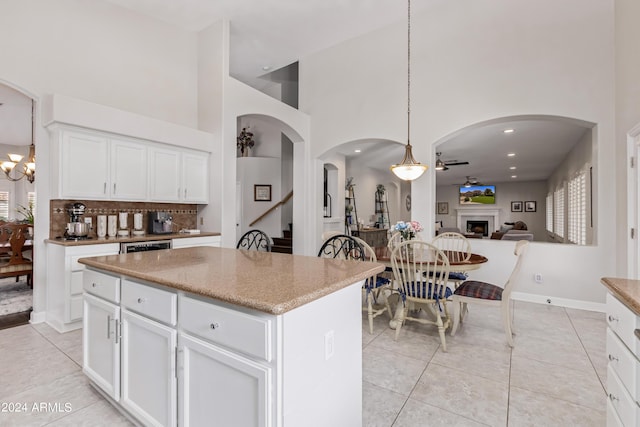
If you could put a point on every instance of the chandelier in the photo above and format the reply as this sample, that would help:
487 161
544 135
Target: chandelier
409 168
29 166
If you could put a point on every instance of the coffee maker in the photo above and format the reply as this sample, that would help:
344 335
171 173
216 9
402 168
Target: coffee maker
160 223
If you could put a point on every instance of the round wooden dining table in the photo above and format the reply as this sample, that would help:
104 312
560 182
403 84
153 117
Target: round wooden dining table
383 255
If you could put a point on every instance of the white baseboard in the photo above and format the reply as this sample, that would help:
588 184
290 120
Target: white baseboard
561 302
38 317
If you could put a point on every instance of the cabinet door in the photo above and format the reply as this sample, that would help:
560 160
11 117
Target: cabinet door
217 385
164 175
128 170
101 348
148 370
195 177
84 166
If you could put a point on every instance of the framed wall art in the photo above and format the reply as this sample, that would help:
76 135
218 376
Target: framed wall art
262 192
516 206
530 206
443 208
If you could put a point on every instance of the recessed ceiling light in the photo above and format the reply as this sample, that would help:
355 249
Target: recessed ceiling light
514 176
266 68
508 131
512 168
358 151
511 154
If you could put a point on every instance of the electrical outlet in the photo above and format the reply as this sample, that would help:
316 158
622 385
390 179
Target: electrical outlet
537 277
88 220
329 345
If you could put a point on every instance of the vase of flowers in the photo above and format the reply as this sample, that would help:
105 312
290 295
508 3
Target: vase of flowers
245 141
408 229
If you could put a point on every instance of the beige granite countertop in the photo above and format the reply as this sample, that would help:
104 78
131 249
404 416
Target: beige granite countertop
270 282
626 290
145 238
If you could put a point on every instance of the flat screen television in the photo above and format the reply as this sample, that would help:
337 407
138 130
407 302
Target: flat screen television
478 195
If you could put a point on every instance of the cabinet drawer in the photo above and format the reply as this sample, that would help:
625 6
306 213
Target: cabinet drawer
624 363
623 322
152 302
624 405
102 285
613 420
236 330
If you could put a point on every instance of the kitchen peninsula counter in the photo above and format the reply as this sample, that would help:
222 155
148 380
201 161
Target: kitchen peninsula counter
280 333
626 290
269 282
145 238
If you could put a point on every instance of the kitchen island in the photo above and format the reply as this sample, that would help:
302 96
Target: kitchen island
215 336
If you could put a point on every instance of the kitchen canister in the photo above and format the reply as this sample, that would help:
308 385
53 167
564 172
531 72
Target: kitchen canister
137 221
101 225
124 219
112 225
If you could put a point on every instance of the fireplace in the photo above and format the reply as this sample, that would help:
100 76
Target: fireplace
478 227
478 214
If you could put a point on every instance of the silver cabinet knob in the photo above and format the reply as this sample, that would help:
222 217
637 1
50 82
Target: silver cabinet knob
141 300
93 285
613 397
613 358
214 325
613 319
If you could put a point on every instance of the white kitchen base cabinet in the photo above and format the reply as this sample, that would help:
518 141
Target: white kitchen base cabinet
212 379
64 274
235 366
101 346
148 370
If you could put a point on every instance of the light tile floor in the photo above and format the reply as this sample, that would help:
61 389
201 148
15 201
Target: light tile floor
554 376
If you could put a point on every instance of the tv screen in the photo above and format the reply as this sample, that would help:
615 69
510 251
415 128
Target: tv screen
478 195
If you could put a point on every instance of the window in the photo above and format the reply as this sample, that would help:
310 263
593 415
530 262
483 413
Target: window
4 205
558 207
549 218
576 210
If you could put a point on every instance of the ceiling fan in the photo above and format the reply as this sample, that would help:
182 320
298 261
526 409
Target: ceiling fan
441 165
471 181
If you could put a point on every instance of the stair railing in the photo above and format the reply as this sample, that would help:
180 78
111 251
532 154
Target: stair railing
272 208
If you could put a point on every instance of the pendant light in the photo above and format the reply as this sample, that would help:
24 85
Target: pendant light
409 169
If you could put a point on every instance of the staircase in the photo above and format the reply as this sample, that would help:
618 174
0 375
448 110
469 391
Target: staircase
283 244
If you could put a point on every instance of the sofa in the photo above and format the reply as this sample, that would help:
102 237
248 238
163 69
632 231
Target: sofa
513 229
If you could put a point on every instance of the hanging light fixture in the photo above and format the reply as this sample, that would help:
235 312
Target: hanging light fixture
440 165
409 169
29 167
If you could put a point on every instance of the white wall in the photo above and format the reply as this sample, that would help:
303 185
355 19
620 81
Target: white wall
100 52
261 171
473 62
627 61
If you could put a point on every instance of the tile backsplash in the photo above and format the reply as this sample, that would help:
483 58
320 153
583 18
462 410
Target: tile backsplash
184 215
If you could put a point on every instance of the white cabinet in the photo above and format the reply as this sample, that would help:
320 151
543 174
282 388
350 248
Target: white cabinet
623 370
84 165
178 175
148 370
128 170
101 344
97 165
188 242
64 274
223 380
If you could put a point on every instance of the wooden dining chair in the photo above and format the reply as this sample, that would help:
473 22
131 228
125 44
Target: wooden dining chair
475 292
12 237
421 270
374 288
457 248
255 240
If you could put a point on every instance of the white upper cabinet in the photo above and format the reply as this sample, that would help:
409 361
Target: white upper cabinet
84 165
128 170
178 176
99 166
195 177
164 175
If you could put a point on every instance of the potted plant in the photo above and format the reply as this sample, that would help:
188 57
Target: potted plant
245 141
26 212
